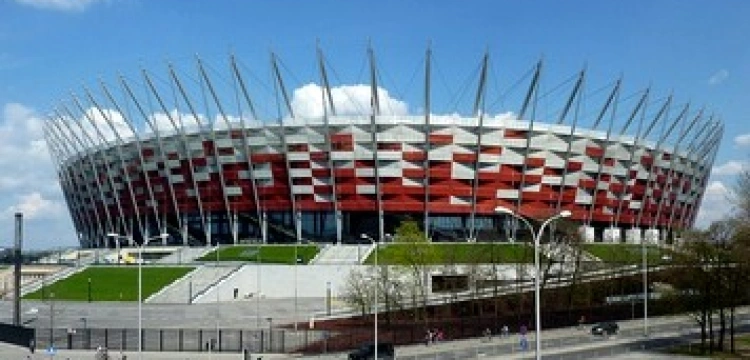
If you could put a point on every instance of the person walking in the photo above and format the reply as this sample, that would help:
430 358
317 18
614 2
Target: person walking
523 343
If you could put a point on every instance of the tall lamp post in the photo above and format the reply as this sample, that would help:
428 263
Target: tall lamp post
377 280
537 272
644 255
52 320
145 242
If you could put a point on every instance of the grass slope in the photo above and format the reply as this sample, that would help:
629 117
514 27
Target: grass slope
111 283
453 253
267 254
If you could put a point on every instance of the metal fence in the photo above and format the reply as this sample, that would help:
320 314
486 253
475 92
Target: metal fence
189 340
325 338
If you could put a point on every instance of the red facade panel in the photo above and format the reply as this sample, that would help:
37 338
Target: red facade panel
441 139
594 151
414 155
535 162
464 158
515 134
574 166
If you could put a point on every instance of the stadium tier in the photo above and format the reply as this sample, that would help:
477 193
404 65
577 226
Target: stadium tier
173 159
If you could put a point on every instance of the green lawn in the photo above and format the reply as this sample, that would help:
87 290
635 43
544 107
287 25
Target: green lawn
111 283
268 254
454 253
626 253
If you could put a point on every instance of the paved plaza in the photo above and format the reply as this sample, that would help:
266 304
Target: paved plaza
241 314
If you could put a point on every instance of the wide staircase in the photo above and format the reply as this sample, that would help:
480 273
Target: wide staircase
343 254
192 285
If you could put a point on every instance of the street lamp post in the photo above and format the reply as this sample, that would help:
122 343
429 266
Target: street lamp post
35 313
52 320
270 333
645 285
87 339
377 280
140 283
89 290
537 270
328 298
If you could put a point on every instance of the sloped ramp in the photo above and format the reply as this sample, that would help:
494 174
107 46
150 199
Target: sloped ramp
343 254
192 285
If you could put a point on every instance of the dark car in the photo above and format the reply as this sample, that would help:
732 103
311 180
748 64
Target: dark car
367 351
605 328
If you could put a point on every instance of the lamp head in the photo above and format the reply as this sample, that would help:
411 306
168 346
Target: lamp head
565 213
504 210
113 235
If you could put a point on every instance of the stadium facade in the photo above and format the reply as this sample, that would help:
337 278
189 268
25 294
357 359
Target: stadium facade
144 157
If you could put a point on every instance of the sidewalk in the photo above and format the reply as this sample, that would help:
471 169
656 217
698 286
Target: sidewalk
17 352
508 347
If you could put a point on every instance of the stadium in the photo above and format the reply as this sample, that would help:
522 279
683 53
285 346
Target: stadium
190 154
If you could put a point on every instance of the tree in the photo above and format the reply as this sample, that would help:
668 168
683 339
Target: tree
358 291
693 282
390 289
418 256
710 278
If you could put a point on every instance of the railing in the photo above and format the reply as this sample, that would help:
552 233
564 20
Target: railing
187 340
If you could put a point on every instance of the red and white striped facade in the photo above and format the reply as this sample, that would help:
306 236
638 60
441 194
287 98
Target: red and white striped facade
331 177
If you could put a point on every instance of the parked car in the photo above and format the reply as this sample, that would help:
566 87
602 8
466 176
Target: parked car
605 328
367 352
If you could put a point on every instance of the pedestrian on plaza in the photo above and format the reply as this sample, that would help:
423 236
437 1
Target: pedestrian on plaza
488 334
428 337
505 332
524 343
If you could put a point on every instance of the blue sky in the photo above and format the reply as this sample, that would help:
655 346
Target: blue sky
696 49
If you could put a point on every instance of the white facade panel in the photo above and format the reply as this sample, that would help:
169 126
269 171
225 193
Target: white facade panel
366 189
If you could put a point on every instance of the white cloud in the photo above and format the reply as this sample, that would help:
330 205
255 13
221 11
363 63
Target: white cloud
59 5
307 101
714 206
742 140
28 182
731 167
718 77
35 206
